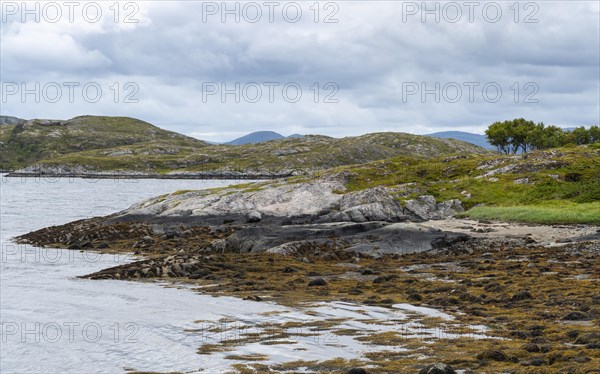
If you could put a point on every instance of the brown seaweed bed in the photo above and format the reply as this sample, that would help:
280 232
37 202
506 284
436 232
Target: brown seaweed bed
541 305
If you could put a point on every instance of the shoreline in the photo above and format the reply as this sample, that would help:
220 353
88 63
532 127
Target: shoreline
538 302
208 176
300 244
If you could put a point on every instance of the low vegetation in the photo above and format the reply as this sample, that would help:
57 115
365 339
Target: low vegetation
561 185
552 213
125 144
36 140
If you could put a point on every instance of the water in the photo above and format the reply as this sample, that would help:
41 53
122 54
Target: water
55 323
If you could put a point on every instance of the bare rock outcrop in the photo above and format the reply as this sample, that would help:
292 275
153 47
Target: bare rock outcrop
321 200
426 207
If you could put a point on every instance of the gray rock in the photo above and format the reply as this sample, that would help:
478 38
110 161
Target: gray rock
437 368
371 238
577 316
357 371
426 207
9 120
317 282
319 200
448 240
254 216
373 204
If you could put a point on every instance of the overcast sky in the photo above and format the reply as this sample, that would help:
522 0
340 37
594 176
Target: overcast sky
168 63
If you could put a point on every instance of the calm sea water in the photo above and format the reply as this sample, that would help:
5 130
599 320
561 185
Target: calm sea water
52 322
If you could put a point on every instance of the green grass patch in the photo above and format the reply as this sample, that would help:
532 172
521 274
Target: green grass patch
181 192
550 213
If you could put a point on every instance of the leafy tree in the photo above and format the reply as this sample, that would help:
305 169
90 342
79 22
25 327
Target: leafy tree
594 132
498 135
581 136
519 134
543 137
520 130
511 136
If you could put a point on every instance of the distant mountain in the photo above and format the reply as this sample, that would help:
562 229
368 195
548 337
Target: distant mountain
11 121
468 137
259 137
256 137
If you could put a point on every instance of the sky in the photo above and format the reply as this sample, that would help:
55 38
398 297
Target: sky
219 70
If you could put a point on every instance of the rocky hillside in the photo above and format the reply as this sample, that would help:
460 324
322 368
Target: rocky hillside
104 144
11 121
559 185
31 141
555 186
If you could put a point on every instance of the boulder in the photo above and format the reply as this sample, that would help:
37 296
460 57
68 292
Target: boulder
426 207
317 282
494 355
357 371
373 204
577 316
147 239
437 368
521 295
254 216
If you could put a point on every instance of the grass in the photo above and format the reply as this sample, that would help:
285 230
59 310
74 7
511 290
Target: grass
560 212
554 186
181 192
26 145
121 143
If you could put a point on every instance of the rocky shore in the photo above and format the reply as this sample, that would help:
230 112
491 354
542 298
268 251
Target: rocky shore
38 172
266 217
535 287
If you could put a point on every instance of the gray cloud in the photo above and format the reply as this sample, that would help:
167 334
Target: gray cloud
370 54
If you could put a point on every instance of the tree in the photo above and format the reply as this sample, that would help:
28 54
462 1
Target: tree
544 137
511 136
498 136
581 136
519 131
594 132
520 134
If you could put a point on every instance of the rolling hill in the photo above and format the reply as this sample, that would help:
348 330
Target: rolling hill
11 121
31 141
92 144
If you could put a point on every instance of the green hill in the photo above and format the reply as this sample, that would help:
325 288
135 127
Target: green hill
35 140
96 144
560 185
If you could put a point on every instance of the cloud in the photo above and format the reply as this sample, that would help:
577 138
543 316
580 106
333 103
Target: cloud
371 54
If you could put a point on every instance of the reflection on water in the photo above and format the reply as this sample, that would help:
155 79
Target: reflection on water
53 322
